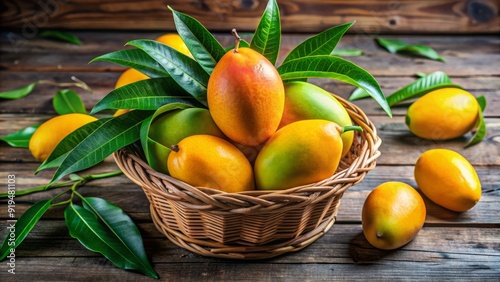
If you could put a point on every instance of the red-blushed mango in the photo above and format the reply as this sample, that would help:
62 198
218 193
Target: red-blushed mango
304 100
246 96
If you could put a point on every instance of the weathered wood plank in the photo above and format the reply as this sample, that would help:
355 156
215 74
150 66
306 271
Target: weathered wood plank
444 16
466 56
343 252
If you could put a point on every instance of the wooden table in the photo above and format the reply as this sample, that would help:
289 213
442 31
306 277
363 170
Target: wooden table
451 245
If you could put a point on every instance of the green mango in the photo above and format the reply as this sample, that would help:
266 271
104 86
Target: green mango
171 127
304 100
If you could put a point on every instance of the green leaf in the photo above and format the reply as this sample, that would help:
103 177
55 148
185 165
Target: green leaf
85 225
391 45
148 94
423 51
123 230
111 135
201 43
325 66
21 138
18 93
23 227
420 87
184 70
61 35
358 93
347 52
481 100
157 160
480 129
136 59
323 43
399 46
267 37
68 101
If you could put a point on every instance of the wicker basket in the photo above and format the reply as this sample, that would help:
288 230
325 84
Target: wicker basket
254 224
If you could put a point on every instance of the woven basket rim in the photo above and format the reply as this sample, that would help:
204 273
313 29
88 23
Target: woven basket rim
199 196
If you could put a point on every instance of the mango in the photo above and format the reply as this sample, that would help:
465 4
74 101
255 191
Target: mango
171 127
304 100
448 179
443 114
212 162
246 96
300 153
392 215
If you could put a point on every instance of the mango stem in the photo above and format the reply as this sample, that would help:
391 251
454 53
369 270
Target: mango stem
350 128
238 40
174 148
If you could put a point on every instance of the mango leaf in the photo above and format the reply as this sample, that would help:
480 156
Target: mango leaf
325 66
149 94
136 59
267 37
23 226
420 87
61 35
480 128
112 135
201 43
123 230
72 140
347 52
157 160
68 101
21 138
19 92
184 70
358 93
391 45
399 46
323 43
107 239
481 100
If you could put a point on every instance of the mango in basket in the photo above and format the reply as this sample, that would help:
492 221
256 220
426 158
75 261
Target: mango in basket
171 127
392 215
304 100
302 152
246 96
212 162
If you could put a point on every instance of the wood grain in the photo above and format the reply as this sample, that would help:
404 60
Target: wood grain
408 16
342 253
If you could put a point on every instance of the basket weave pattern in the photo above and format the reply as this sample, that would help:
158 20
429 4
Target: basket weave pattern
252 224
